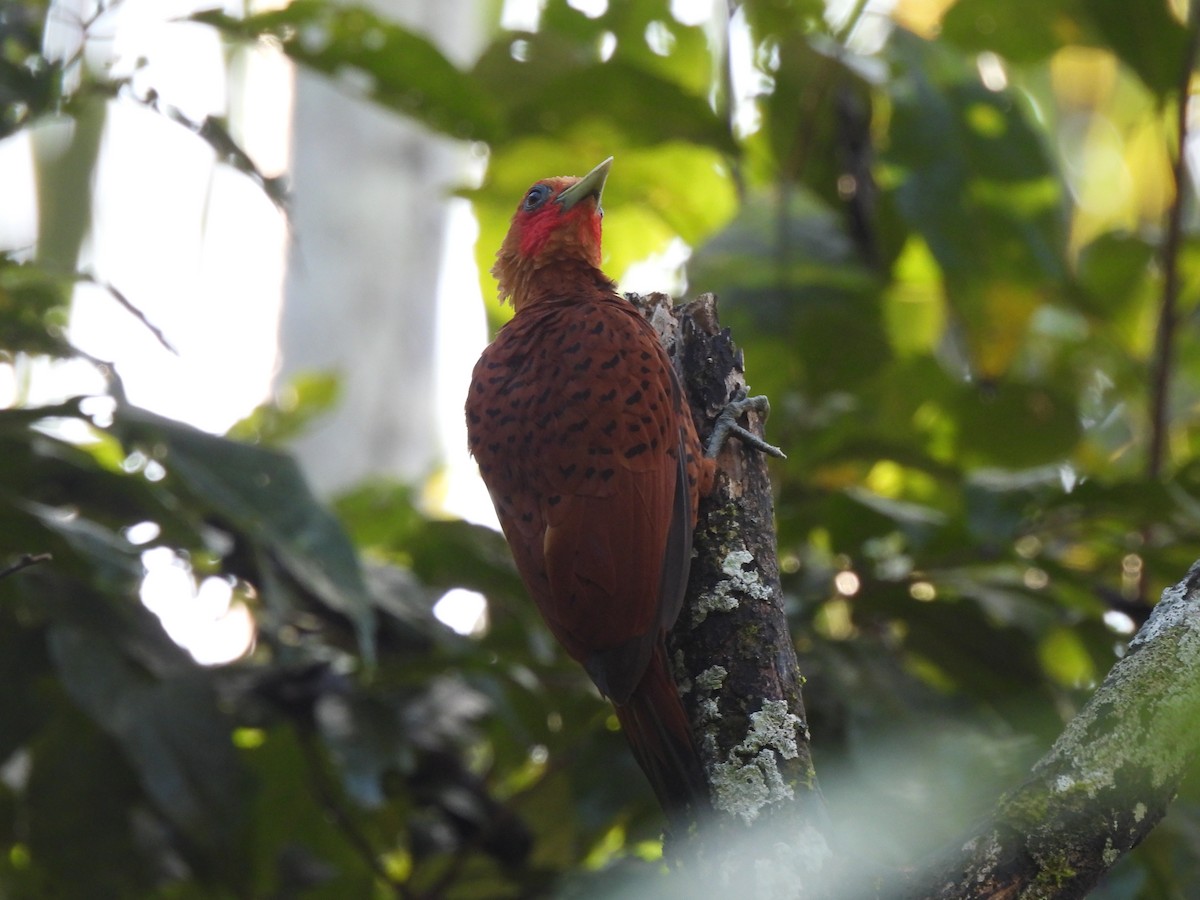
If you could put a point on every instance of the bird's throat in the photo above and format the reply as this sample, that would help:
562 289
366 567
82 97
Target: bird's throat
534 285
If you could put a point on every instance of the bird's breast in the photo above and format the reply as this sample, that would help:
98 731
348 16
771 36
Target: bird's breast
584 390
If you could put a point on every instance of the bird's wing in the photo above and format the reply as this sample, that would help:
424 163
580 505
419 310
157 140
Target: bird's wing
587 478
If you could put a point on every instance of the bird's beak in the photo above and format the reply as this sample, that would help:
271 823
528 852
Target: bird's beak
590 185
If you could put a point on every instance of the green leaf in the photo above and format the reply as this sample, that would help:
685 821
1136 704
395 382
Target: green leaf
81 546
643 107
792 277
379 59
1016 426
299 851
856 516
82 486
366 737
261 493
963 151
170 731
554 85
22 663
1065 658
913 310
305 398
771 17
948 122
30 84
77 808
796 242
1023 31
1146 37
686 188
34 306
384 519
974 179
627 29
1110 271
689 57
994 662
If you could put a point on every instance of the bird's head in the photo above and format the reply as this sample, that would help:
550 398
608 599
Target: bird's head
557 221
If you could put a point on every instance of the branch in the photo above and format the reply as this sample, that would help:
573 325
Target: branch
733 650
1164 339
1097 793
24 561
1104 784
126 304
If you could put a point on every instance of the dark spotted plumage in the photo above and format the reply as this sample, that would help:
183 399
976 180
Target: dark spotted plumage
592 461
588 500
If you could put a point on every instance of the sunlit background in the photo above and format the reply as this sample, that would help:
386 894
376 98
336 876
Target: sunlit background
204 251
967 529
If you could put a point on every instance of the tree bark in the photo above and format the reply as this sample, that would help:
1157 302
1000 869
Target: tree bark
1105 783
1101 788
732 648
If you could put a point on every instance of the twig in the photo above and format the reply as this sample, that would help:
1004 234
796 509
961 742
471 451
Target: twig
24 561
1164 344
108 371
128 306
113 291
214 132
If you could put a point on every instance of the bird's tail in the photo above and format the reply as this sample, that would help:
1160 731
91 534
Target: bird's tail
657 728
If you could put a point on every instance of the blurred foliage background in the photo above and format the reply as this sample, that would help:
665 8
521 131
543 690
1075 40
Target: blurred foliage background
947 236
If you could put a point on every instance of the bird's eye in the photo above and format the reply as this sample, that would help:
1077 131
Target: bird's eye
536 197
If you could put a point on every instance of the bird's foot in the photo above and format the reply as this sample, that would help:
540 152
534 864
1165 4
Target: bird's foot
727 426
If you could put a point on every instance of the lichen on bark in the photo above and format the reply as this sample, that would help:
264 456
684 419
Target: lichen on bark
1101 788
1105 783
737 662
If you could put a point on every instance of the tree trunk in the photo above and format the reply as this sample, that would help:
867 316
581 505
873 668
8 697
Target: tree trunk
1101 788
362 284
733 652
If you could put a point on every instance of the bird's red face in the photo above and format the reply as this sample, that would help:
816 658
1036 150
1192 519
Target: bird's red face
558 220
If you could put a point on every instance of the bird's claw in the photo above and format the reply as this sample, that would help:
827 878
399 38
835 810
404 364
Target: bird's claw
727 425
